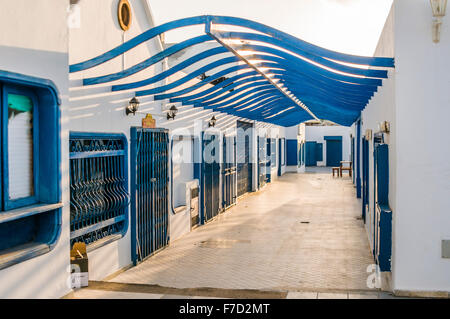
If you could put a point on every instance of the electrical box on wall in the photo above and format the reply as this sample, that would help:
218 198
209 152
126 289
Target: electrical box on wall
446 248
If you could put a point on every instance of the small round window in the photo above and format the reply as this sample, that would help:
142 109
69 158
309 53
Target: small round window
124 13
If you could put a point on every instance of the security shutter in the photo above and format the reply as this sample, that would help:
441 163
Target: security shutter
20 146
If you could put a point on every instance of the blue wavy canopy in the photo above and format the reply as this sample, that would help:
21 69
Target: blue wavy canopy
281 80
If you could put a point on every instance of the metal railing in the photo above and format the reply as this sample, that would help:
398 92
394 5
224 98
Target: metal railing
98 186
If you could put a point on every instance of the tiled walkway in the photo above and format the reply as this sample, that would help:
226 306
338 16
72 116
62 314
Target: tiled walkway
110 294
300 233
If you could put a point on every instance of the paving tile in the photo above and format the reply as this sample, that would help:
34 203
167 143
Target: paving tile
302 295
261 243
327 295
103 294
175 297
200 297
363 296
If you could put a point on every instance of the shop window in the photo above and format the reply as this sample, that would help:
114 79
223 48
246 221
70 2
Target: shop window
30 214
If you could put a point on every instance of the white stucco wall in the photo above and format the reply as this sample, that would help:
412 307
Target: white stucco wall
381 108
422 99
317 133
97 109
415 101
41 53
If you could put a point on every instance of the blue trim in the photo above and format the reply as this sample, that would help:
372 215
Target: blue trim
31 81
133 181
358 158
33 199
333 138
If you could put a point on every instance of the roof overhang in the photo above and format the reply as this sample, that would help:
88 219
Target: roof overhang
268 75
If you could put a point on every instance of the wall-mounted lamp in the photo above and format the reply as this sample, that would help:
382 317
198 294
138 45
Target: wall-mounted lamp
438 7
384 127
132 107
212 121
172 112
368 135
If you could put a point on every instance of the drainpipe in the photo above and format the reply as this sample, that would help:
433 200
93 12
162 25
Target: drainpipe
358 158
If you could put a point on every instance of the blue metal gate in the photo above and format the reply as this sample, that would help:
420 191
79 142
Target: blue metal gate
149 192
210 177
244 165
229 172
262 161
98 187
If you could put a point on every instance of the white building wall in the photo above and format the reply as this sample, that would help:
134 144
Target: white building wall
423 152
97 109
381 108
317 134
415 101
41 53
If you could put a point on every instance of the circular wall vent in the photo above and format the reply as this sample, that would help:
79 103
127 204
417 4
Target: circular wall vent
124 14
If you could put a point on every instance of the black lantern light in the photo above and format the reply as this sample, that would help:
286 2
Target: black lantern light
172 112
132 107
212 121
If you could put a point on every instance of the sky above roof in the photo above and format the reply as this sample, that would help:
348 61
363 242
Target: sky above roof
348 26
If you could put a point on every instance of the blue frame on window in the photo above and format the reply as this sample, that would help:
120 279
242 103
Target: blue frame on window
42 214
26 201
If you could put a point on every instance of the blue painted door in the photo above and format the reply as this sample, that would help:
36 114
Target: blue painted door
334 152
149 192
310 154
319 152
292 153
382 212
210 177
